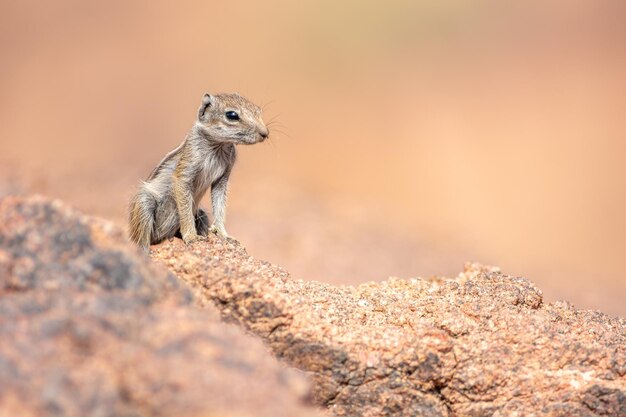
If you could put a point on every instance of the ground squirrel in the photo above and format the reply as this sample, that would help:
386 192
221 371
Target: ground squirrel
167 203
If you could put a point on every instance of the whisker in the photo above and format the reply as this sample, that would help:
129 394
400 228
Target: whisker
281 133
277 125
264 106
273 120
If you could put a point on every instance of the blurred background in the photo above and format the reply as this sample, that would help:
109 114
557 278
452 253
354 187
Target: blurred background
411 136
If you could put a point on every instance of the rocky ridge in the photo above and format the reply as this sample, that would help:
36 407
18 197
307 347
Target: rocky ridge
481 344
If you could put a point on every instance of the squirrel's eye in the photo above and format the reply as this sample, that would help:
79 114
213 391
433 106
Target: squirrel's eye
232 115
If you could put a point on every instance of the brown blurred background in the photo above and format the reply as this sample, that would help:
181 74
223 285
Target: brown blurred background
414 135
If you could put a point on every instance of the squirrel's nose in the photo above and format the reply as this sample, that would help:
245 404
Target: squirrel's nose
264 132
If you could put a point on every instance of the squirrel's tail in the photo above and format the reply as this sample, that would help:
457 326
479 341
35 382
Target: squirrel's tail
141 218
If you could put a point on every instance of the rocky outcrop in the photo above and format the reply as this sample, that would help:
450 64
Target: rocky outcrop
481 344
90 327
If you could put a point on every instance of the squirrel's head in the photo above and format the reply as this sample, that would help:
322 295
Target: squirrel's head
231 118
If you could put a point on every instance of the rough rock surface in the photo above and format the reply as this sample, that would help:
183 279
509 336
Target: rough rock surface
482 344
90 327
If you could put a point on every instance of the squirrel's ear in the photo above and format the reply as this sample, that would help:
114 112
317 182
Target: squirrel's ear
207 101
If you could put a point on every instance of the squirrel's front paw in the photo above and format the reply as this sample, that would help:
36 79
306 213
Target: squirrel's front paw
219 230
193 238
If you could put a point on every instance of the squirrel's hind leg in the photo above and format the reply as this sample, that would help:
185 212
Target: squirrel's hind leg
202 224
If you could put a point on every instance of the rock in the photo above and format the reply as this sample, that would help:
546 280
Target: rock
89 326
481 344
